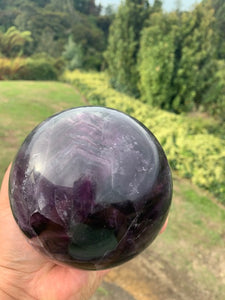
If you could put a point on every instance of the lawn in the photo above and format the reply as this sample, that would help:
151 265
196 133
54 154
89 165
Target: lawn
24 104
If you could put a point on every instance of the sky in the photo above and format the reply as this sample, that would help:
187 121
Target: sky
168 4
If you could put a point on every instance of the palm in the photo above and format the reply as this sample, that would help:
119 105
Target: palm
36 276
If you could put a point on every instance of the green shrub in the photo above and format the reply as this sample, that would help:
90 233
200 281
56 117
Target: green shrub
192 148
30 68
59 63
39 69
9 68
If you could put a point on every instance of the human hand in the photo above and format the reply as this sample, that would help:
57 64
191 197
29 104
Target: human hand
27 275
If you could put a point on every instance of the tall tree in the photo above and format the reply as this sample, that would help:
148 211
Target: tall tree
177 59
219 7
123 45
157 59
197 66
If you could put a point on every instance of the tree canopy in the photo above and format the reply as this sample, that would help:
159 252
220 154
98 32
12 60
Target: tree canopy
52 22
172 60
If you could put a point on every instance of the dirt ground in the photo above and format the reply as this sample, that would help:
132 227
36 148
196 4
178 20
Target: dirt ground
148 277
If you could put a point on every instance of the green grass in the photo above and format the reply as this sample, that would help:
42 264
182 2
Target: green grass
194 241
24 104
102 291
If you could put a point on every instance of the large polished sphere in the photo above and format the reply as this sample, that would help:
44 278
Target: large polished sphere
90 187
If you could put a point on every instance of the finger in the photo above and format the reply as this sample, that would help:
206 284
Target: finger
164 226
4 197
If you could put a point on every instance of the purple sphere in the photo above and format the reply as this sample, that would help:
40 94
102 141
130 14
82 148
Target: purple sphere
90 187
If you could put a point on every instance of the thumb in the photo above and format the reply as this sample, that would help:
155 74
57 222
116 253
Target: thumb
164 226
4 193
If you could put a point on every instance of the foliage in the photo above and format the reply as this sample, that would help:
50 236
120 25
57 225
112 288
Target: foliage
51 22
156 59
60 6
10 67
73 54
177 61
92 39
44 24
47 44
87 7
104 22
13 41
219 25
214 101
38 68
41 3
169 60
7 16
157 6
123 45
193 151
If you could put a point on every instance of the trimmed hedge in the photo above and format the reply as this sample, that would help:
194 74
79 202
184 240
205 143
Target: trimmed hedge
190 145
